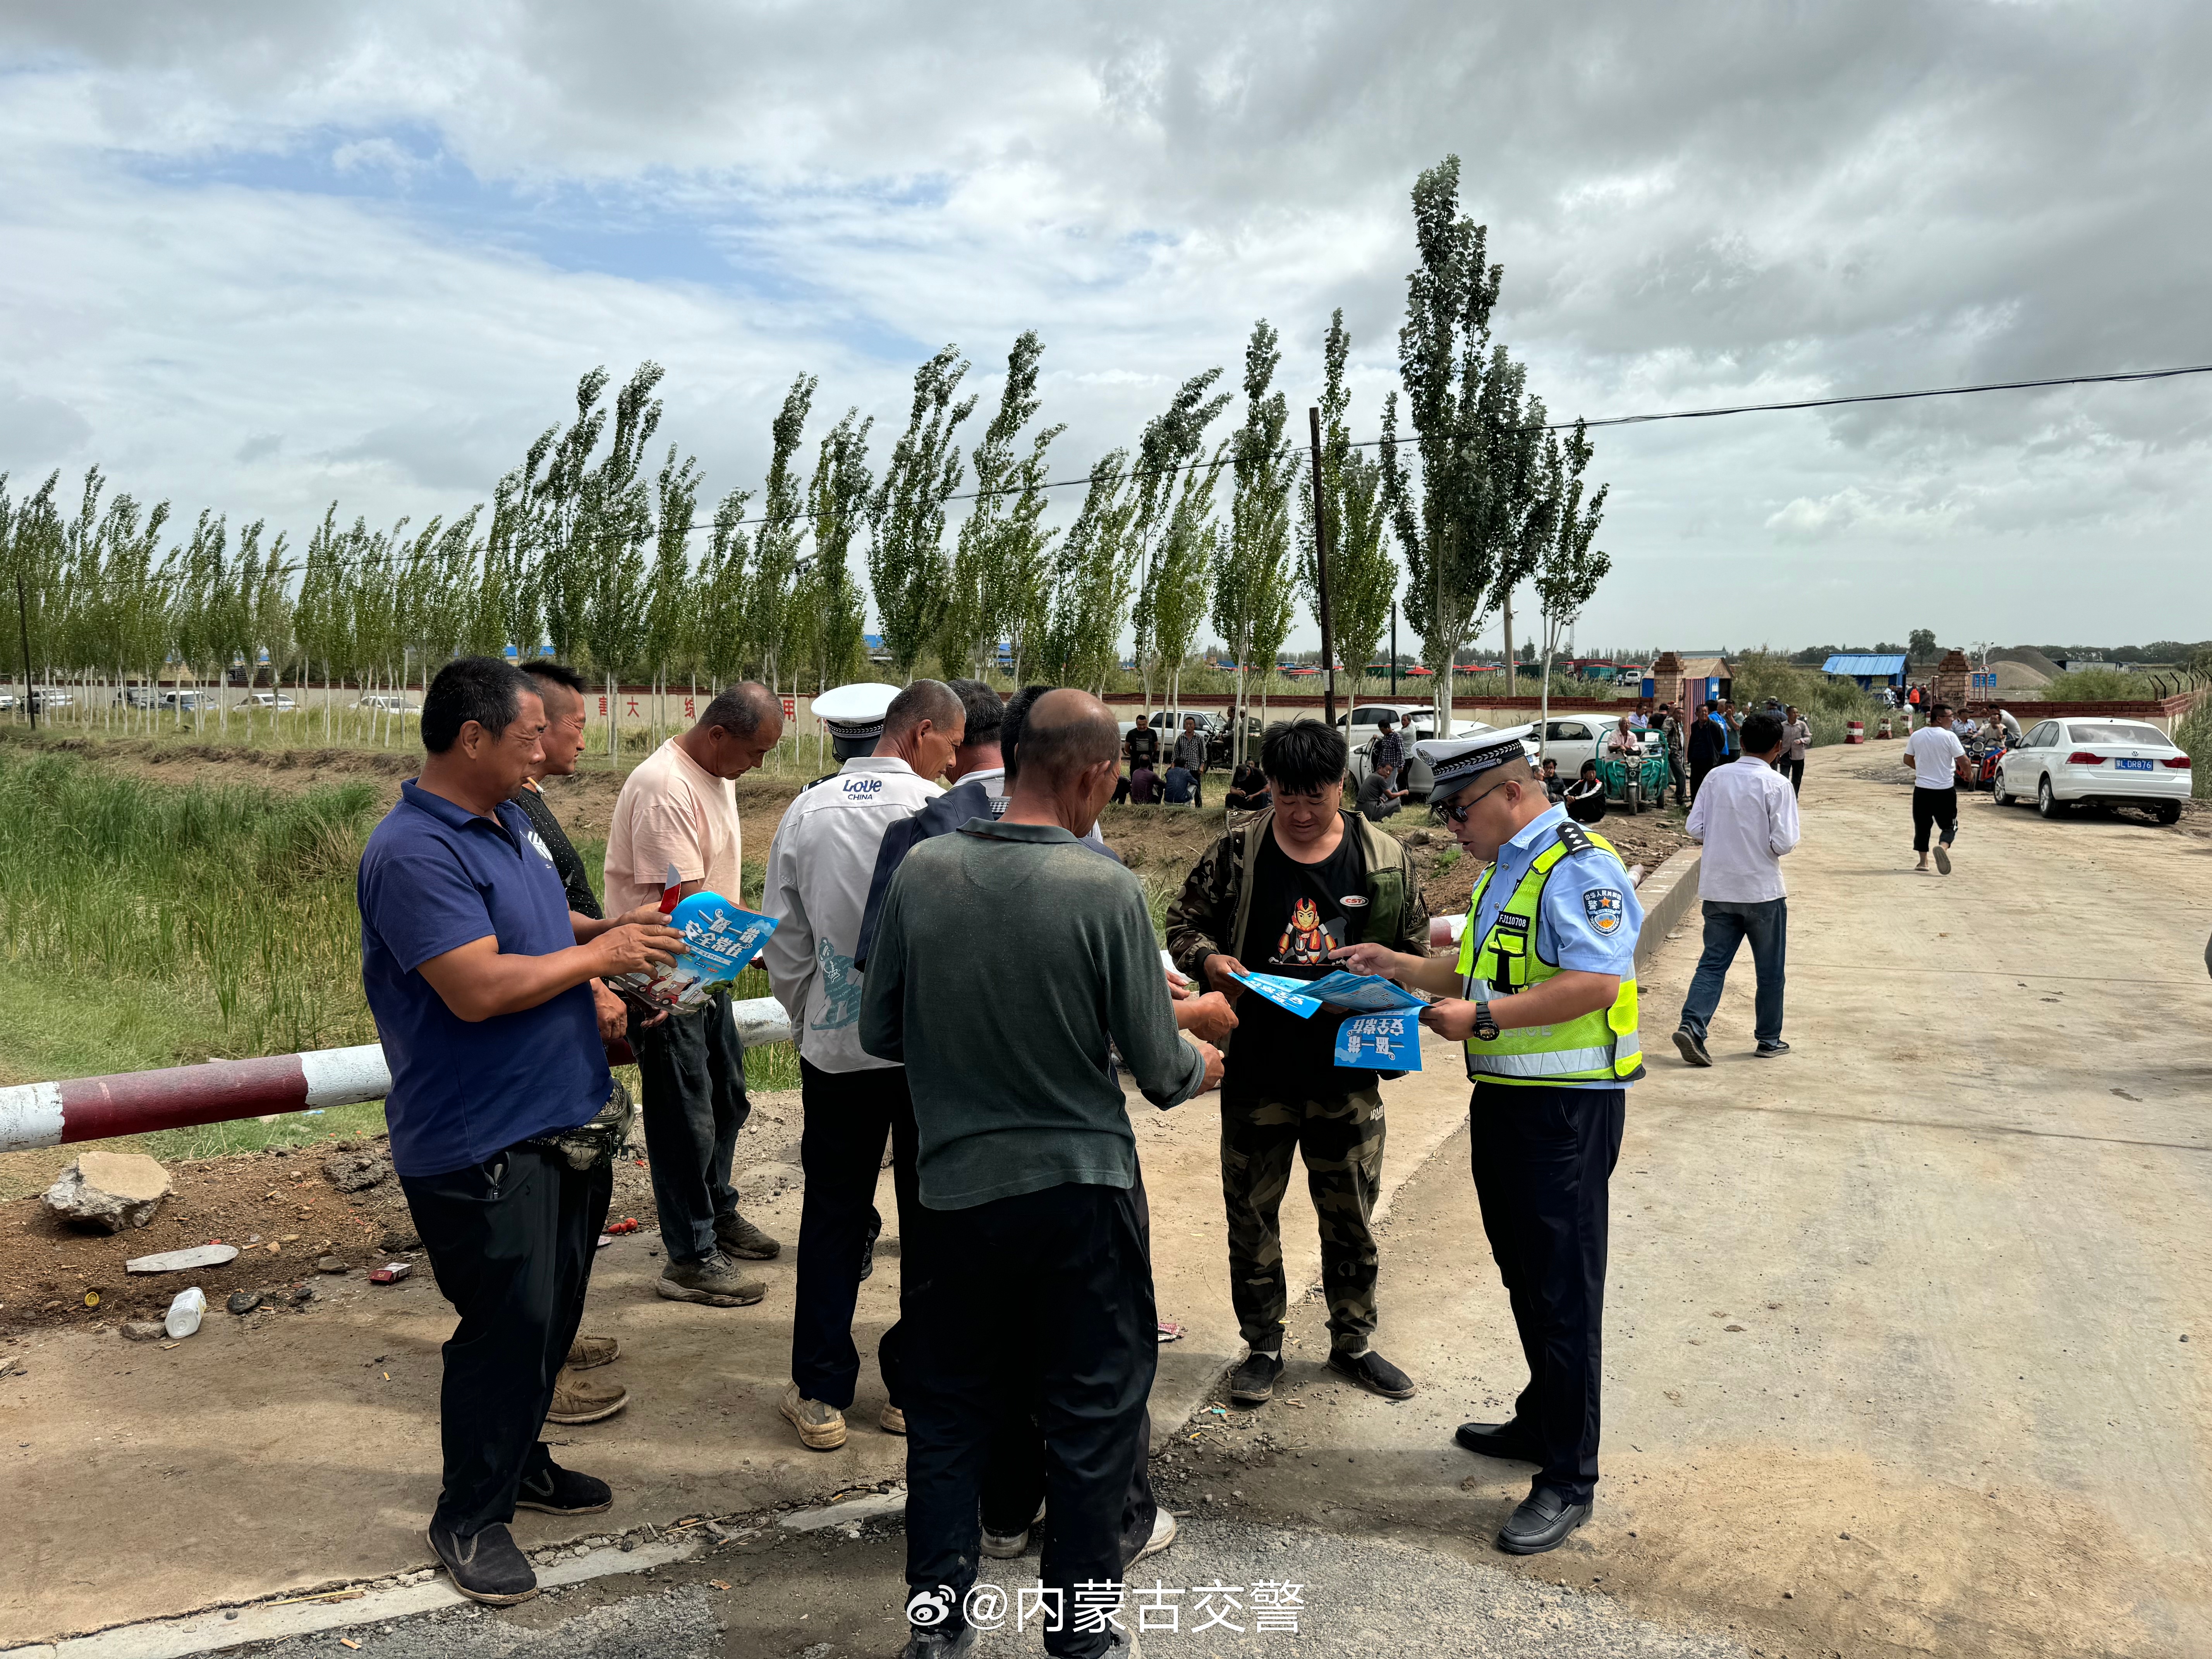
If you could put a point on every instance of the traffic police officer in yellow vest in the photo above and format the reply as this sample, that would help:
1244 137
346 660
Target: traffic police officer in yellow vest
1543 993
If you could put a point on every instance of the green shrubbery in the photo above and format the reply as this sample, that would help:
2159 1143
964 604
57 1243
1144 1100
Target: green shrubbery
1827 703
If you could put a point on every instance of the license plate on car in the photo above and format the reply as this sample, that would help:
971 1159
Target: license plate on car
2127 765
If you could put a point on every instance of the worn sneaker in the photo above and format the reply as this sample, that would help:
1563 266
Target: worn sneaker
1005 1546
1770 1050
1164 1533
1371 1371
713 1279
821 1427
486 1566
584 1398
941 1643
1942 858
556 1490
892 1420
1692 1047
740 1238
586 1352
1253 1383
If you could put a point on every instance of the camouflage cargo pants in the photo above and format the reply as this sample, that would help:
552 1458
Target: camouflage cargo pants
1340 1138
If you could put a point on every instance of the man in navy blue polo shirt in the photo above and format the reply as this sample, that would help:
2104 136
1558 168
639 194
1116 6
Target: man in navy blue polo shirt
479 977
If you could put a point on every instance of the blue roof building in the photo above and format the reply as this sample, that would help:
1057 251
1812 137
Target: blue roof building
1886 668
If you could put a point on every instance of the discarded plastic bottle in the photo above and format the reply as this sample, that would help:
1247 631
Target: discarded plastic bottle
184 1312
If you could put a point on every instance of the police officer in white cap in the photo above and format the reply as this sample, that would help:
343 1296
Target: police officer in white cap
1543 993
893 745
854 715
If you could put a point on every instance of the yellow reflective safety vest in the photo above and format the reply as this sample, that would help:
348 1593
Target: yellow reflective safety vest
1599 1047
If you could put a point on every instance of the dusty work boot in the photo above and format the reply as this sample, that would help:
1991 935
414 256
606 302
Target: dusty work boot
586 1352
556 1490
713 1279
821 1426
584 1398
892 1420
740 1238
1007 1546
486 1566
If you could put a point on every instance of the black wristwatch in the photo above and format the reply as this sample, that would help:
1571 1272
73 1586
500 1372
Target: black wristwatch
1485 1027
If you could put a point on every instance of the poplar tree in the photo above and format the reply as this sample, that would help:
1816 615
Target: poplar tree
1476 508
837 504
1568 569
1172 440
1000 559
1252 576
771 617
1362 575
1093 574
907 564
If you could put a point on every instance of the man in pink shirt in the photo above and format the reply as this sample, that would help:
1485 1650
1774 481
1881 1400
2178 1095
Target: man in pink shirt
678 811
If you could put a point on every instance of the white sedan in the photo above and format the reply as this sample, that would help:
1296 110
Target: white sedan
2111 762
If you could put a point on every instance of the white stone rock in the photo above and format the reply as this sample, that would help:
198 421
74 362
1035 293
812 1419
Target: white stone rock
110 1190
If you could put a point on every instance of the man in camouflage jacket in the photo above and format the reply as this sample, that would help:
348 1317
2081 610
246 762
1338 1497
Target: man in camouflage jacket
1271 1106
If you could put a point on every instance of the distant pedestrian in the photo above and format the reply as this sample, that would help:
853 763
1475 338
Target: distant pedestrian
1555 786
1938 761
1380 797
1585 796
1670 736
1387 746
1180 786
1746 817
1144 747
1248 789
1707 744
1190 755
1796 738
1143 786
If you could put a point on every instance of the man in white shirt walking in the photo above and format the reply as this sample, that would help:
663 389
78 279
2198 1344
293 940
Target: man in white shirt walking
1746 817
1938 761
818 870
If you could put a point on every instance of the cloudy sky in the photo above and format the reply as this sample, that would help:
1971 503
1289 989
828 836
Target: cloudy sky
258 258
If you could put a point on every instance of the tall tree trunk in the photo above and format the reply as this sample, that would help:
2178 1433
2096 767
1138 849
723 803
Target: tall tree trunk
1512 683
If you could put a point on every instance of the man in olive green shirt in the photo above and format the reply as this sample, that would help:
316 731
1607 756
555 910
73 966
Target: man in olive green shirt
1007 960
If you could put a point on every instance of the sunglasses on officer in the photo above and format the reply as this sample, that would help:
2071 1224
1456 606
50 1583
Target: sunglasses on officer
1448 814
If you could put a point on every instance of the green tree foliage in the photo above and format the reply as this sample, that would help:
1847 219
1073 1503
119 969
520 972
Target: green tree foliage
1173 439
1093 575
1361 576
837 504
1569 567
1476 515
1252 576
771 617
906 557
1000 563
1922 645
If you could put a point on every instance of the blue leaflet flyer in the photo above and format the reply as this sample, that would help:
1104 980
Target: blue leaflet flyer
720 939
1381 1042
1288 995
1365 993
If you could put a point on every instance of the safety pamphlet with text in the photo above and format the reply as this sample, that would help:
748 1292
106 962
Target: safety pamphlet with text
720 939
1383 1034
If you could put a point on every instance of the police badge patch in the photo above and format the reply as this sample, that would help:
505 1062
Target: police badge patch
1604 908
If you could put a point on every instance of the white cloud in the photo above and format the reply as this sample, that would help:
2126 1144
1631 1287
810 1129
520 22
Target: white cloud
263 258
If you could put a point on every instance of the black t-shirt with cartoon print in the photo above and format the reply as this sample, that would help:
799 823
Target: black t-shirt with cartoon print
1300 912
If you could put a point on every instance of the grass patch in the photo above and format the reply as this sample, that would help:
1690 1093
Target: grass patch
146 924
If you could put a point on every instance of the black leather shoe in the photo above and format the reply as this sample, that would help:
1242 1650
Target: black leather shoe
1543 1522
486 1566
1372 1372
1253 1383
1508 1440
556 1490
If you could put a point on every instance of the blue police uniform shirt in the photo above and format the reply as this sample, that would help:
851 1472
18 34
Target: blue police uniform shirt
435 877
1584 892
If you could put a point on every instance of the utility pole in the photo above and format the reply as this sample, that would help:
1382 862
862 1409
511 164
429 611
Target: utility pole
1394 651
1321 574
23 628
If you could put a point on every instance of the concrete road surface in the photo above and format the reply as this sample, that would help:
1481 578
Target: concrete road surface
1896 1357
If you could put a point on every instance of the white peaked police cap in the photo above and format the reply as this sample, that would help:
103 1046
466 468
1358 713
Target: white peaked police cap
857 710
1457 764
